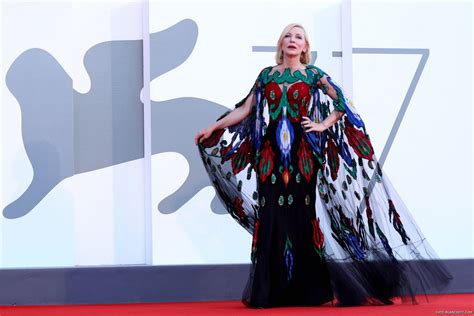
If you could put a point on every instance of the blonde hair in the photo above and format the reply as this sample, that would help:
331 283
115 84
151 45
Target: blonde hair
305 57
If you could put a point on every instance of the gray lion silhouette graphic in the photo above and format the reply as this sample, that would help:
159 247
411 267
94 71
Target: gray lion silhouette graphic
66 133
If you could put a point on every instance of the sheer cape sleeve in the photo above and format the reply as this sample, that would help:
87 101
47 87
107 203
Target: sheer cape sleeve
372 245
230 155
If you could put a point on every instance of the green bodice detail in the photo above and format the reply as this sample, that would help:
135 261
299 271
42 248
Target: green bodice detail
284 105
288 77
312 75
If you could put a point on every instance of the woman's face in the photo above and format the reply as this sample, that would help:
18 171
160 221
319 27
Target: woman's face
294 43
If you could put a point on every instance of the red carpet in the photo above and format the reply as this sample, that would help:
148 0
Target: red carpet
453 304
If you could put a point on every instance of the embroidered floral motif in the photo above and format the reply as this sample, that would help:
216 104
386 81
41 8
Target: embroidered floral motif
305 161
281 200
333 158
288 255
286 177
346 235
384 241
286 174
359 141
273 95
289 108
265 165
289 101
239 210
397 223
287 76
241 158
285 137
296 105
318 237
274 178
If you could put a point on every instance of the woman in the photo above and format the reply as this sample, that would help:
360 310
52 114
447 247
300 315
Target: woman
267 159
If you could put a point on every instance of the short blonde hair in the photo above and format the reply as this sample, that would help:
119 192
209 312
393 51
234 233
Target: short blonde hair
305 57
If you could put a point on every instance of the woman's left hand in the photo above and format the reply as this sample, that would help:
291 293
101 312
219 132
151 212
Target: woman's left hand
310 126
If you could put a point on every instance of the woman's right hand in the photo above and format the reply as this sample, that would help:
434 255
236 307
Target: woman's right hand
203 134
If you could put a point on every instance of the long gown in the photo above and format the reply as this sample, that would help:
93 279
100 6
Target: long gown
361 246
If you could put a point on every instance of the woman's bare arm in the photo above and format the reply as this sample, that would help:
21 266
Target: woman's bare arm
236 116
